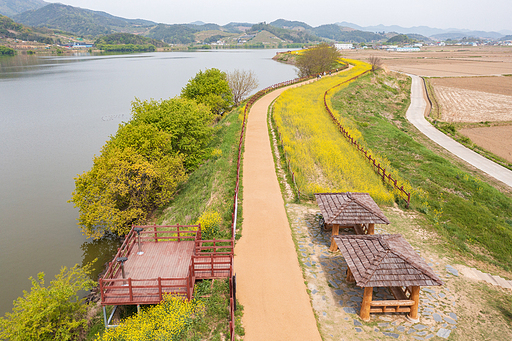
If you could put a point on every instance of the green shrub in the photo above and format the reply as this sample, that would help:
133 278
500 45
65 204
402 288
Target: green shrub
52 313
210 224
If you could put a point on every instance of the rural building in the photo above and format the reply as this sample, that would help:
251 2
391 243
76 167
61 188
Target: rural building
344 46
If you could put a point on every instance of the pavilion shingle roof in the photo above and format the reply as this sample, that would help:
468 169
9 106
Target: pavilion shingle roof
385 260
349 209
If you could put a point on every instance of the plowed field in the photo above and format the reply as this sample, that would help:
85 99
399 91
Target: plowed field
497 140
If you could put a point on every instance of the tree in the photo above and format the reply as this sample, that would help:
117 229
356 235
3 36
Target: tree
123 187
188 123
241 83
140 168
321 58
54 312
375 62
210 88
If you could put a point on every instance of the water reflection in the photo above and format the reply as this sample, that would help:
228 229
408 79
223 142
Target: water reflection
102 249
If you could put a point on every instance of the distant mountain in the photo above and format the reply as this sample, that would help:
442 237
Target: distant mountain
508 37
400 39
281 23
13 7
293 36
236 27
437 33
173 34
205 27
474 34
338 33
419 37
80 21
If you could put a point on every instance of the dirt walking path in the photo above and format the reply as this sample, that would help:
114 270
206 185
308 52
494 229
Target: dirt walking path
270 284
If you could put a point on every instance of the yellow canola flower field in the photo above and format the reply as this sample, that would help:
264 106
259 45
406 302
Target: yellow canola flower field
321 157
165 321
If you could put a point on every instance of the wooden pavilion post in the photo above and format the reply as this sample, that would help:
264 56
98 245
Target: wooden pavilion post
366 304
371 229
335 232
350 276
415 296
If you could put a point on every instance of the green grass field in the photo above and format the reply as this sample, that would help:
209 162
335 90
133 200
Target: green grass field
471 215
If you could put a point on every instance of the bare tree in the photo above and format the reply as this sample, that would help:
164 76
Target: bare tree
375 62
241 82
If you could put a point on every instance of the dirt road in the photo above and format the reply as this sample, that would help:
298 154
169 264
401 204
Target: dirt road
270 284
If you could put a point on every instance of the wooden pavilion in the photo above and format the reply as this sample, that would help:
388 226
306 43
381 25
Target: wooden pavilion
386 260
349 210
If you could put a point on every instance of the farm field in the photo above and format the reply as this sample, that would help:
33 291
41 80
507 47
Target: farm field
445 61
469 87
496 139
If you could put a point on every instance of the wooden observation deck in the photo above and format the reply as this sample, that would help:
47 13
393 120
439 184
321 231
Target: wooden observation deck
172 258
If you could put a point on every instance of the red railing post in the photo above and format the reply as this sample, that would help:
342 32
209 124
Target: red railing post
101 290
154 228
130 289
160 288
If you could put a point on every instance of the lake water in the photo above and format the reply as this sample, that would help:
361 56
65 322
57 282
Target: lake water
55 114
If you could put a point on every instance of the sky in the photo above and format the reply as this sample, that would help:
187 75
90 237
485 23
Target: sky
490 15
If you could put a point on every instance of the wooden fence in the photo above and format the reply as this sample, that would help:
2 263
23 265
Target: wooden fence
381 171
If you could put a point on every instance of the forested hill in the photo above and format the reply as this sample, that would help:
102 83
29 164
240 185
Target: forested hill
331 32
11 29
80 21
127 38
13 7
340 33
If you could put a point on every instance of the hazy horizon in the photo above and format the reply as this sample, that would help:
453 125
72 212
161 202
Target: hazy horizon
442 14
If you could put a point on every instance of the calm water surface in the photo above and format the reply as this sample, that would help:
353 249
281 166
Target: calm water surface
55 114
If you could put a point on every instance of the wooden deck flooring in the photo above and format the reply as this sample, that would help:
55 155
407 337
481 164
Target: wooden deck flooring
160 259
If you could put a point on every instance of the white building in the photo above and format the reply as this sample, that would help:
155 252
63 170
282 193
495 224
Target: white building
344 46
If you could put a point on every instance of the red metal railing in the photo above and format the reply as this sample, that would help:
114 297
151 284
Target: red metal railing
386 177
126 291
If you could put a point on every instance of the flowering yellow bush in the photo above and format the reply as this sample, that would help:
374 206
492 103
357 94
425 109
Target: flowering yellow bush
321 157
210 223
165 321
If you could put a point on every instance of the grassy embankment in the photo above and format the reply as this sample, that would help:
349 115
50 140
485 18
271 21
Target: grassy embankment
211 188
473 217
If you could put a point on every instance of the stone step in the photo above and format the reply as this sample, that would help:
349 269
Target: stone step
503 283
486 277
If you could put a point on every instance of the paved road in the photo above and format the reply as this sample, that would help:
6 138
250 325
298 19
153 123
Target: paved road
415 115
270 285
